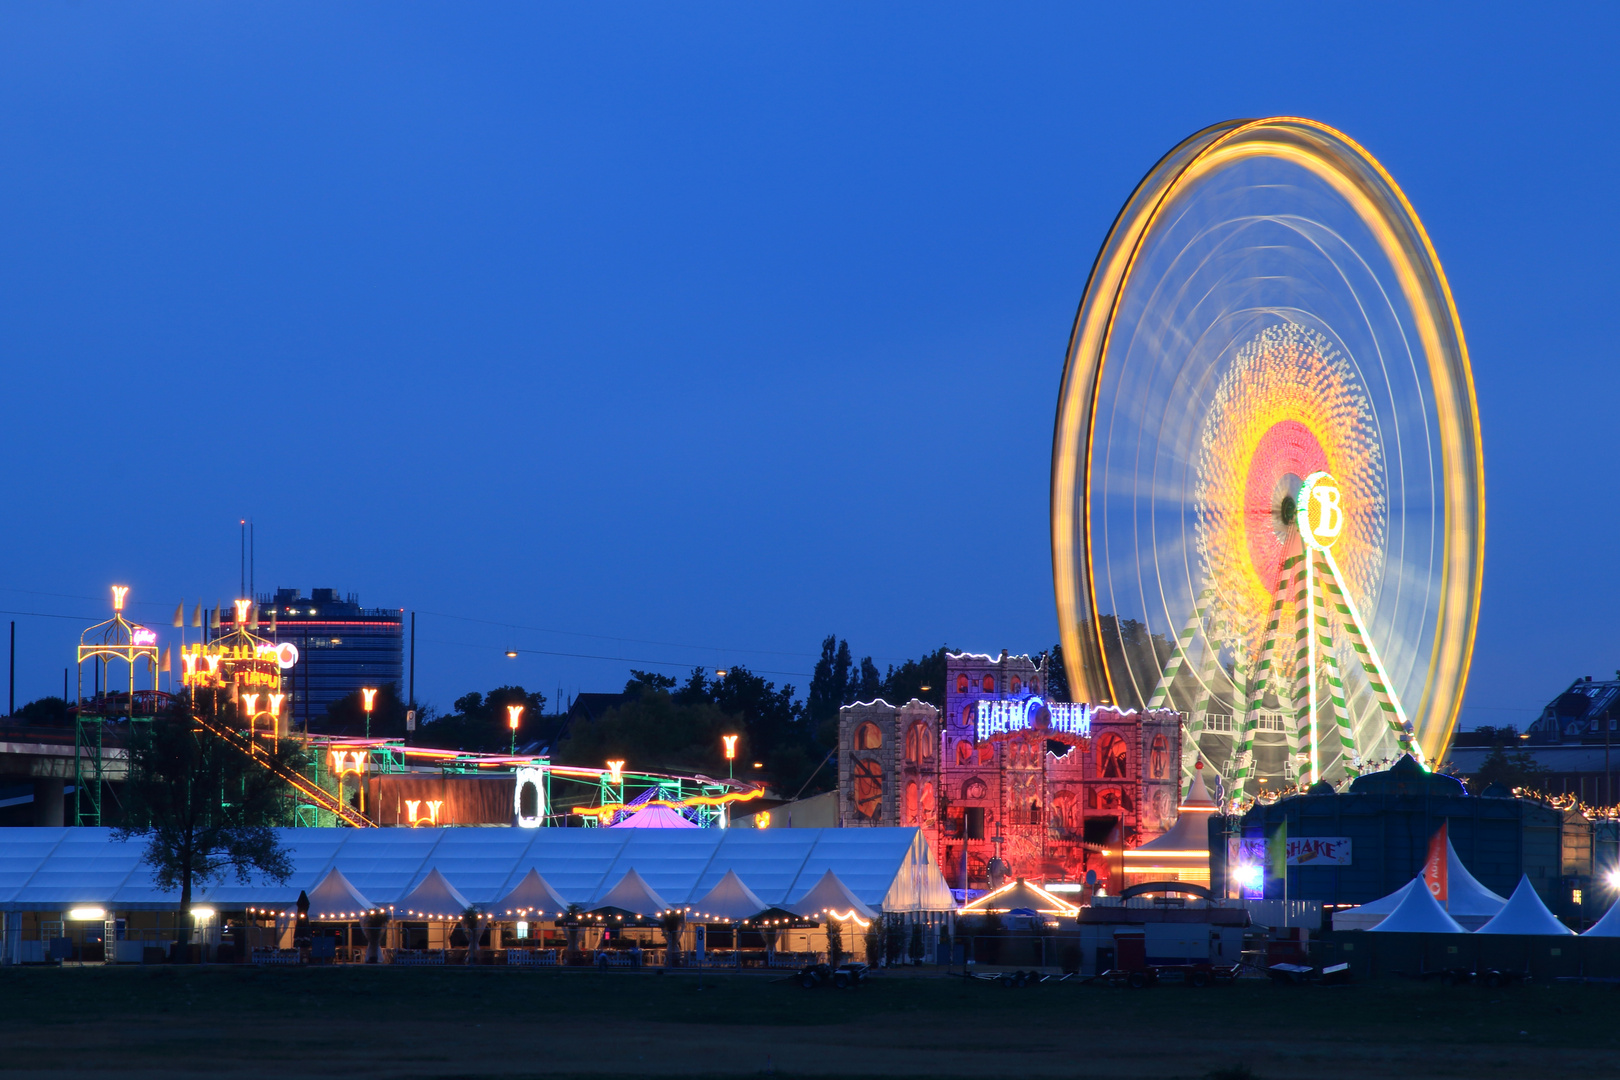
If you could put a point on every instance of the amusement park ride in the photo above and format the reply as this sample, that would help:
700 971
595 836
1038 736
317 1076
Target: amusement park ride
340 781
1267 479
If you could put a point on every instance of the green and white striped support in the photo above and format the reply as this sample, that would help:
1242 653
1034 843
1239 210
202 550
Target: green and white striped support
1343 747
1180 656
1268 671
1382 688
1303 690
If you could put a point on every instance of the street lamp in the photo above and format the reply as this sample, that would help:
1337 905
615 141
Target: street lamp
370 699
731 753
511 654
512 714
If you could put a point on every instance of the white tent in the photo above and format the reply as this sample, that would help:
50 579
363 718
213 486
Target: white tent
532 896
1608 926
1418 913
730 900
888 869
654 817
632 894
1467 901
336 898
435 898
832 896
1524 913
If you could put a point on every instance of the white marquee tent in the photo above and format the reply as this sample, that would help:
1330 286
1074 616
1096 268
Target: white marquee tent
1467 901
53 869
1418 913
1524 913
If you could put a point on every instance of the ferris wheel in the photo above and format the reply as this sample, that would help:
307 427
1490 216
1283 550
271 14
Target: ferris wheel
1267 480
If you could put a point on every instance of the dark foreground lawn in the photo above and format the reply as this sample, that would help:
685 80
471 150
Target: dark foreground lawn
387 1022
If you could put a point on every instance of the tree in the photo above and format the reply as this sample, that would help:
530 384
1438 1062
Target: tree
649 680
1518 769
830 687
203 806
1057 676
347 715
923 679
480 723
44 712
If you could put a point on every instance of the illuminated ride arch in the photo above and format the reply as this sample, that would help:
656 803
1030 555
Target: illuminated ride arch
1267 479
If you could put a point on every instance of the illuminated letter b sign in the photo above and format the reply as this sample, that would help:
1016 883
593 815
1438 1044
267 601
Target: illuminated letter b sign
1321 510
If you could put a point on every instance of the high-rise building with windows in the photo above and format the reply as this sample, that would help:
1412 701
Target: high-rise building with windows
341 647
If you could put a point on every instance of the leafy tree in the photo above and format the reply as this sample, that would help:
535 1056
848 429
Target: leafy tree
831 686
480 723
44 712
347 715
203 806
868 684
1057 676
923 679
648 680
1516 769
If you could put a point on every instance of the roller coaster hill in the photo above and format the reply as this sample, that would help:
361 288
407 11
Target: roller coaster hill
233 686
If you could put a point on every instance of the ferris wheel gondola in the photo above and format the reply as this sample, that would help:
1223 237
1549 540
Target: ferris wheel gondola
1267 479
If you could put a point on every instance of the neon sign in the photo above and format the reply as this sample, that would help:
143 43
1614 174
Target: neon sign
421 820
530 776
140 635
1019 714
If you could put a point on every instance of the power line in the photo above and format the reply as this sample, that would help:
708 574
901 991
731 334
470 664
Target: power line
681 664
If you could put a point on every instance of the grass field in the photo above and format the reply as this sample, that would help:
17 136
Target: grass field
425 1022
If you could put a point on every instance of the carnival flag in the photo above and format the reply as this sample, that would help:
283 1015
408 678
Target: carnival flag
165 666
180 614
1435 867
1277 851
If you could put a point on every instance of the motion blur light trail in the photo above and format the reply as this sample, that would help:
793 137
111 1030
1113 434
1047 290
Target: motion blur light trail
1268 323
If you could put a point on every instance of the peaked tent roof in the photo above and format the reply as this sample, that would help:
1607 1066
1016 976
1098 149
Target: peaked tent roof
1466 899
435 898
531 895
892 869
1022 894
1418 913
654 817
832 896
1524 913
1608 926
1190 833
336 898
730 900
632 894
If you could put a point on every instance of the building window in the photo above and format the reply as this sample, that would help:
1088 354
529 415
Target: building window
1159 758
973 823
987 754
989 684
868 787
974 789
964 752
1016 685
962 684
918 745
911 803
868 737
925 808
970 715
1113 760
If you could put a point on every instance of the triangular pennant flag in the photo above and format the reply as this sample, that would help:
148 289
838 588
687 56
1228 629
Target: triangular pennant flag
253 616
180 614
213 618
196 615
165 668
272 620
1435 867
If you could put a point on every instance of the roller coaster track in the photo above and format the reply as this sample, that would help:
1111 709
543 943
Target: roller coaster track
306 787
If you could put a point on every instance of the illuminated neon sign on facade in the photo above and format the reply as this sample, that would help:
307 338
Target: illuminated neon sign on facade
1019 714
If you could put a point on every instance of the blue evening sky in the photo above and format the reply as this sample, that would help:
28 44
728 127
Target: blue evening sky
689 334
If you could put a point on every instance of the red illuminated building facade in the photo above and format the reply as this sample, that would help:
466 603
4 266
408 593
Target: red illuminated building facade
1049 789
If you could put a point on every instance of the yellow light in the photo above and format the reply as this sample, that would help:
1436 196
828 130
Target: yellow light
202 913
512 714
719 673
762 820
275 704
731 746
759 764
511 653
615 772
87 914
252 700
370 695
119 592
242 610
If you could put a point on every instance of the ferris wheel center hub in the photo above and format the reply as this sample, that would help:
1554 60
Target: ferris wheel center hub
1320 510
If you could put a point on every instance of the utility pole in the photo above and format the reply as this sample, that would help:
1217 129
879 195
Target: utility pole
11 683
413 660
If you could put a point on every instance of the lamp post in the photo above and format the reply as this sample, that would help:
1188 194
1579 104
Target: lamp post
512 714
370 696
